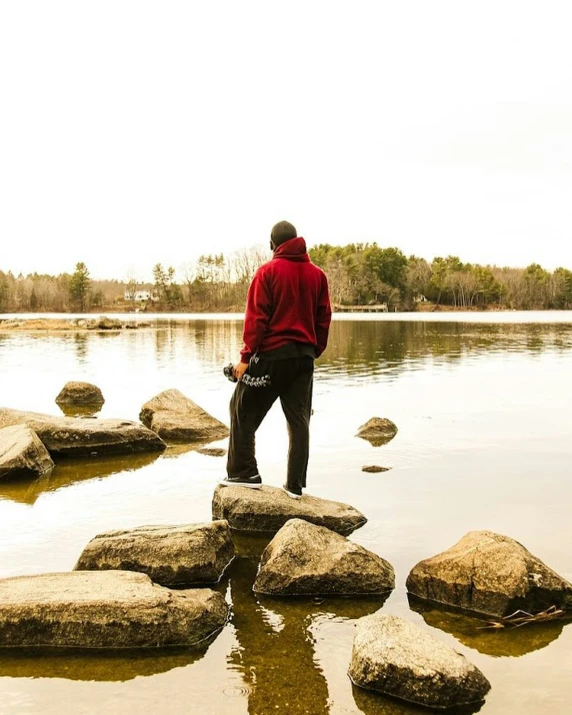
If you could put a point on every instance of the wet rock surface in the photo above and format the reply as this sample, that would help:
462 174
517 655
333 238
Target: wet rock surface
80 394
111 609
395 657
269 508
489 574
212 451
175 417
185 555
374 469
377 431
22 453
305 560
72 436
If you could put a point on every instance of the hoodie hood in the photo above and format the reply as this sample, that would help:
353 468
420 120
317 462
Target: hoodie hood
293 250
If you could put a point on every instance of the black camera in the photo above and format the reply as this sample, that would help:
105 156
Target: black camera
229 372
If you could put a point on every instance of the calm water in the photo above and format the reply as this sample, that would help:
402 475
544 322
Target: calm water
484 442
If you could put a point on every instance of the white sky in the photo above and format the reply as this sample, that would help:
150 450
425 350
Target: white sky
137 132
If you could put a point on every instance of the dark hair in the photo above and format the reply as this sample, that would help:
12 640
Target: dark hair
282 232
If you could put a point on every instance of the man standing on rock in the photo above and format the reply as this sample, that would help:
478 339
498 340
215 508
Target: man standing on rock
286 327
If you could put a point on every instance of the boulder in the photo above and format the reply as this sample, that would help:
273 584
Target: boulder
111 609
377 431
374 469
187 555
212 451
176 418
397 658
489 574
269 508
22 454
308 560
104 323
73 436
81 394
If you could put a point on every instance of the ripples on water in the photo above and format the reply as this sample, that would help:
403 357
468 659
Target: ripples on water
483 442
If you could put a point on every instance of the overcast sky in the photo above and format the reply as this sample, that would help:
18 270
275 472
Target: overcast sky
135 132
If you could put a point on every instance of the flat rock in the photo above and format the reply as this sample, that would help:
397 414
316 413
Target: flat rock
80 394
109 609
73 436
269 508
212 451
22 454
176 418
308 560
187 555
489 574
374 469
397 658
378 431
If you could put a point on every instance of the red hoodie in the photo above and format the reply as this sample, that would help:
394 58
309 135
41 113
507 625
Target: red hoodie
288 302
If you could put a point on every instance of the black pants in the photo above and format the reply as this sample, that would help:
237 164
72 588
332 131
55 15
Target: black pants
291 380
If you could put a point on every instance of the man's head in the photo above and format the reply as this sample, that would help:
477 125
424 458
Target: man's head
282 232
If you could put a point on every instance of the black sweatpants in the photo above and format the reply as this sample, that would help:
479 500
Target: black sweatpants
264 382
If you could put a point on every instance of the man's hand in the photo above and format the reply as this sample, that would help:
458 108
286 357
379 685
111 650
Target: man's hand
240 369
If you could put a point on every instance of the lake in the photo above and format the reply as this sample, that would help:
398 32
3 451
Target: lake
482 403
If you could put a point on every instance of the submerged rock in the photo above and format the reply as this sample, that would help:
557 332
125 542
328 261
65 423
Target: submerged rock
80 394
22 454
397 658
212 451
177 418
375 469
489 574
187 555
378 431
112 609
269 508
72 436
306 560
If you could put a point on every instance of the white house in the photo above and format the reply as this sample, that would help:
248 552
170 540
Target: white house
140 296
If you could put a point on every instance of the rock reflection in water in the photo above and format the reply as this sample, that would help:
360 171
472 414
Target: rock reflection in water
69 471
103 666
468 630
276 647
370 703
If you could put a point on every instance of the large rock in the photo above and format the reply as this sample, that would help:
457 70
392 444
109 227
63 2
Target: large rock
187 555
397 658
489 574
22 454
176 418
269 508
72 436
104 323
111 609
80 394
307 560
378 431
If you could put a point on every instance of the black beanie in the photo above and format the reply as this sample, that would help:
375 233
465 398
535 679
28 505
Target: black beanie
283 231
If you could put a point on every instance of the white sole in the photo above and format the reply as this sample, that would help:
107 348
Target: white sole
291 495
247 486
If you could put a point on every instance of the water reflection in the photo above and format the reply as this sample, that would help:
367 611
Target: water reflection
513 642
370 703
70 471
275 652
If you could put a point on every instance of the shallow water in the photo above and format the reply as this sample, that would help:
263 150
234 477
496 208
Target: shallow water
484 442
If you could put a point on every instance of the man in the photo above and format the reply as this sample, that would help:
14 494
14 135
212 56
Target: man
286 327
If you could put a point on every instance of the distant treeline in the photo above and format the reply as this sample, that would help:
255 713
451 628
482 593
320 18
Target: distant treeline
360 274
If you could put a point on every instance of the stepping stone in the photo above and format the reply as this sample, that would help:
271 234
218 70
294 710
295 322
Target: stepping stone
378 431
269 508
375 469
80 394
111 609
177 419
187 555
489 574
308 560
397 658
76 437
22 454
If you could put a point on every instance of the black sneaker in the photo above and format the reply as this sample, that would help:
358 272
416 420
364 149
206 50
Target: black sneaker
293 492
251 482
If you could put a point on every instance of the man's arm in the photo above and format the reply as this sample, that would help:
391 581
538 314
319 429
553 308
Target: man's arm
257 316
323 317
